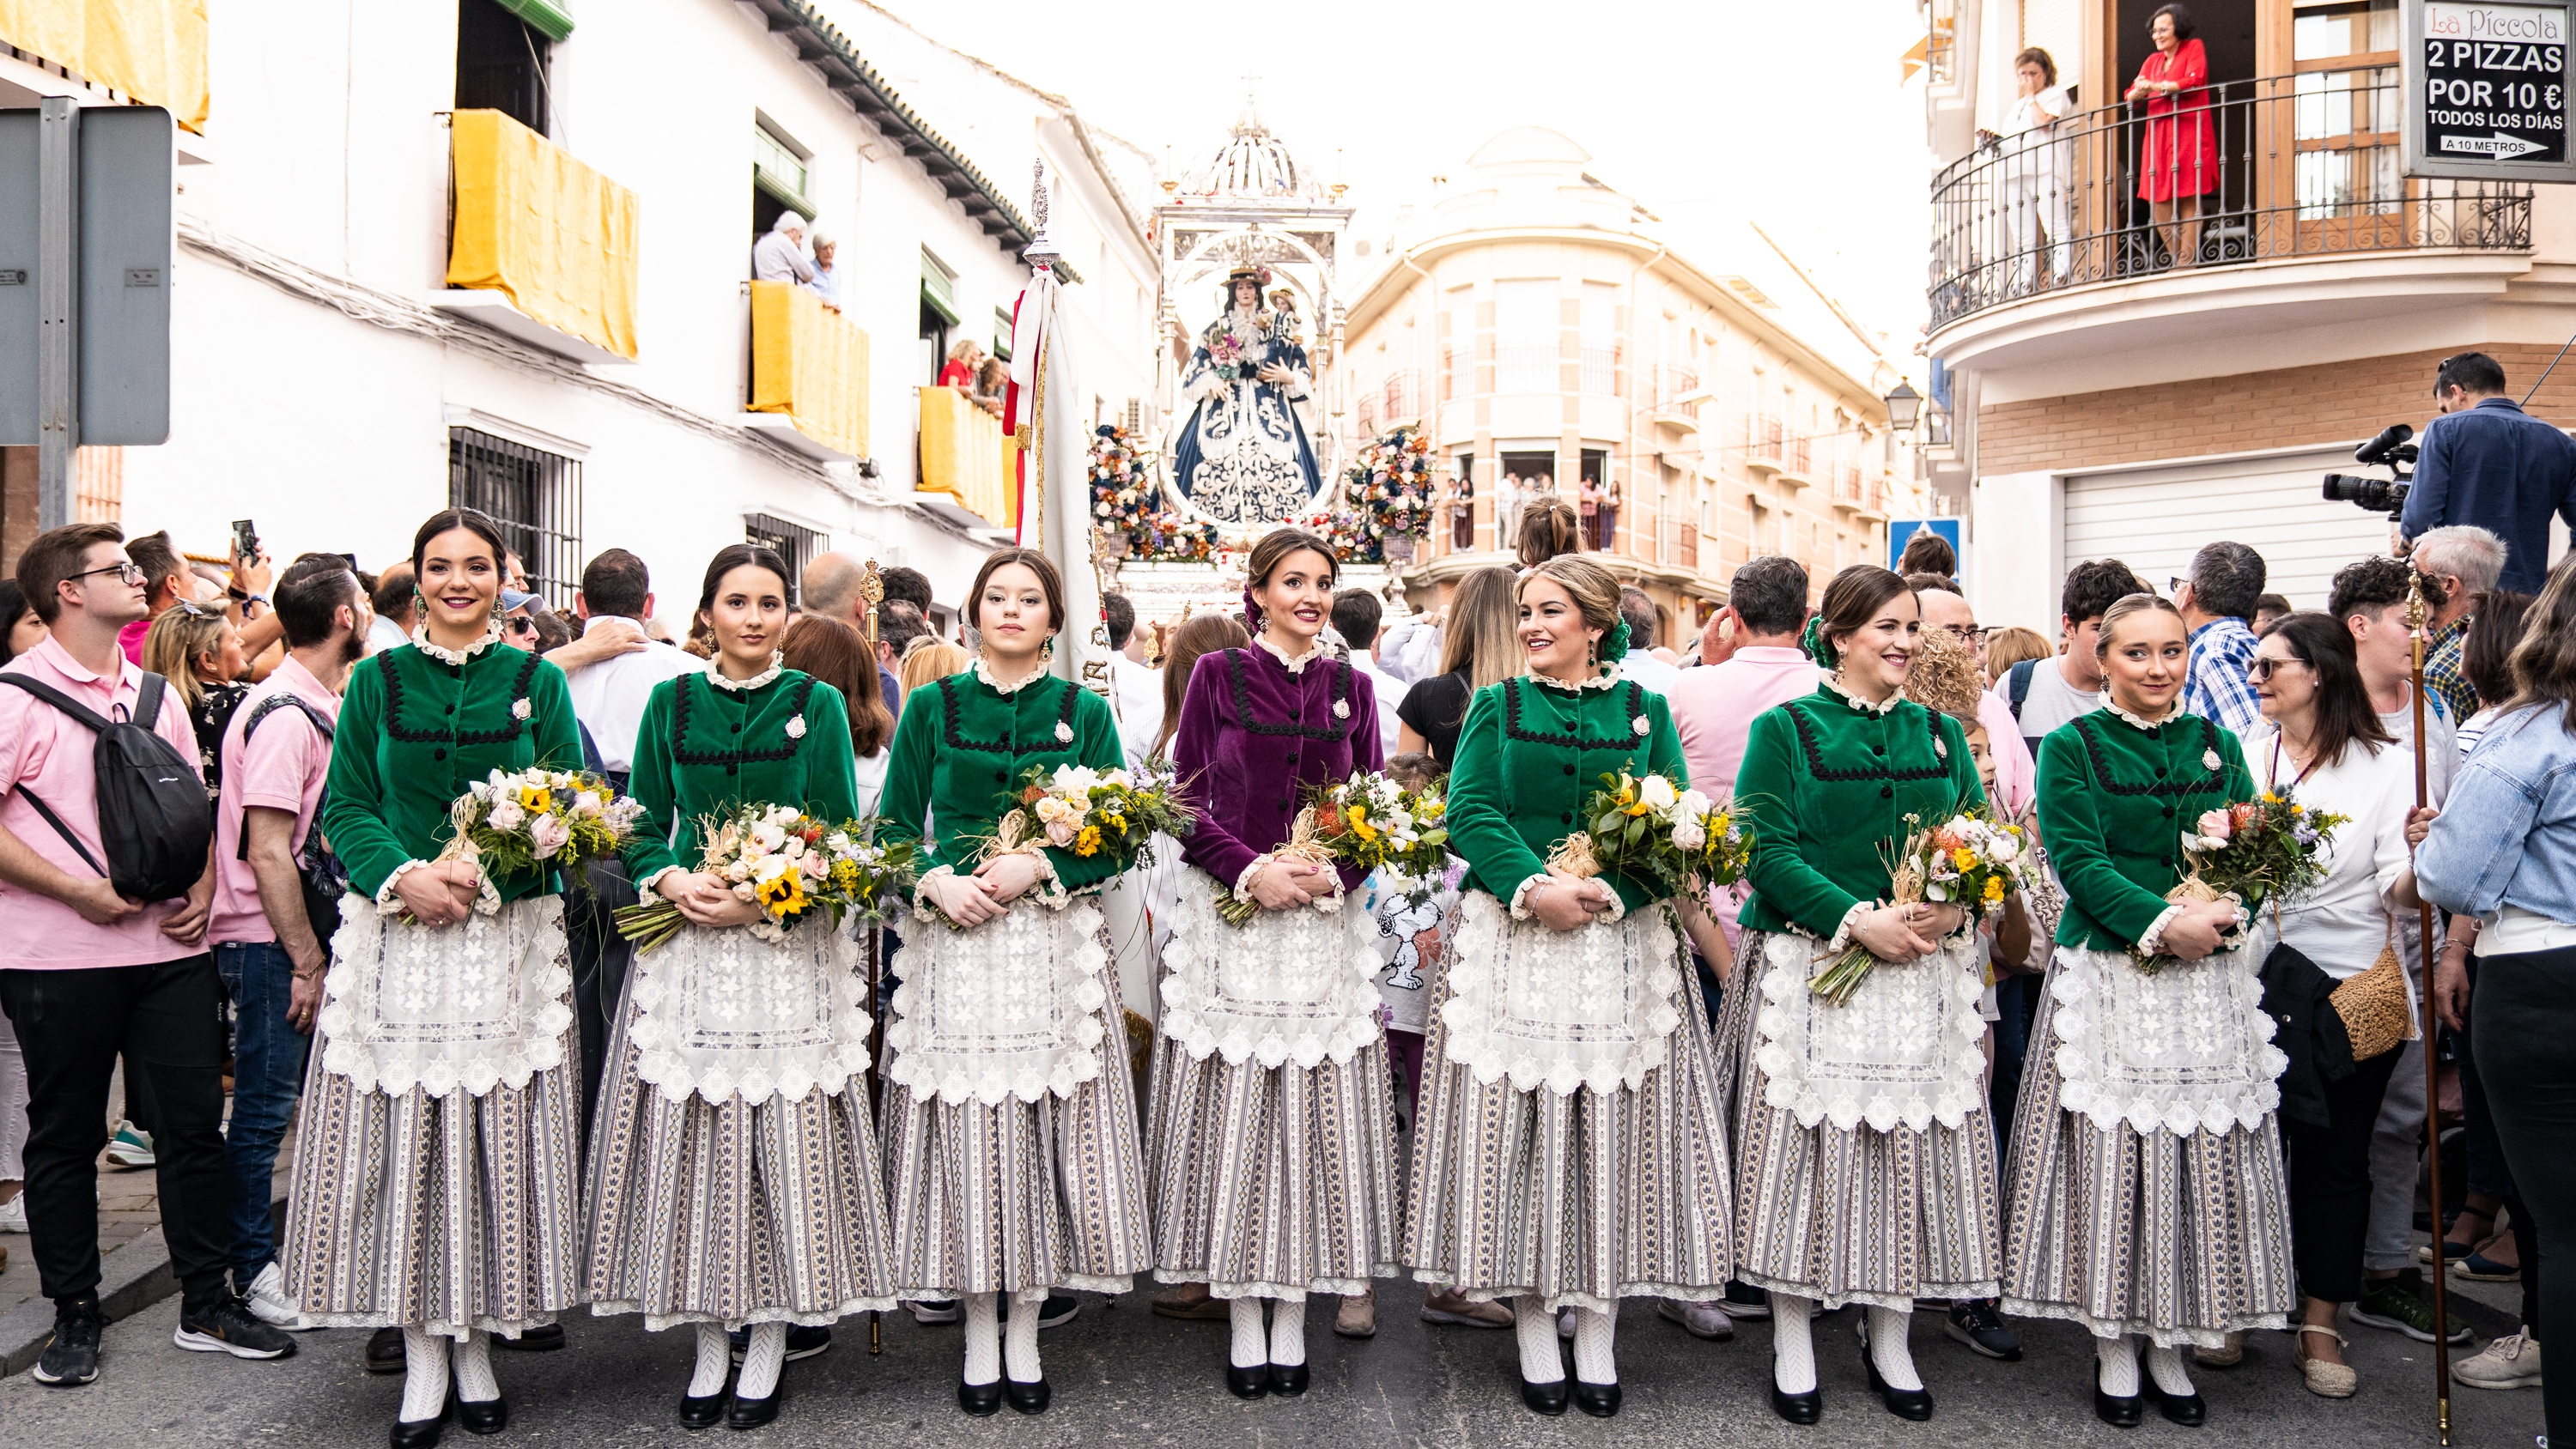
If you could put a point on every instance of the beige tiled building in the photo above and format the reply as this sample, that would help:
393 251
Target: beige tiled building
1549 333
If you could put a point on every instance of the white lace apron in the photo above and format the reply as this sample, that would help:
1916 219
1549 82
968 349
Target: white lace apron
724 1016
1904 1052
462 1008
2186 1050
1011 1008
1565 1010
1287 986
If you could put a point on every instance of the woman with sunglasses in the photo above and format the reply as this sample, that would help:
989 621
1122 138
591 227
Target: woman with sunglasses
2147 1198
438 1170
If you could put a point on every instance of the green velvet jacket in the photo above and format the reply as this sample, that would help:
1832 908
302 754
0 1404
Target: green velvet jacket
2114 801
959 752
1826 787
414 732
1530 754
702 751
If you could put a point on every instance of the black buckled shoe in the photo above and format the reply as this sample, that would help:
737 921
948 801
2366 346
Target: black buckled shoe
1804 1408
1247 1383
706 1413
2115 1411
487 1416
2187 1410
1031 1398
1599 1400
544 1338
752 1413
1547 1398
423 1433
1915 1404
1287 1380
980 1399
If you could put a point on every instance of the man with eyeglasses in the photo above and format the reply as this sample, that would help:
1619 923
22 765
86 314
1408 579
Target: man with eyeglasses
2216 601
90 975
2487 462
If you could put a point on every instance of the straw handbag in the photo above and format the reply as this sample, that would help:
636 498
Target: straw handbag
2374 1007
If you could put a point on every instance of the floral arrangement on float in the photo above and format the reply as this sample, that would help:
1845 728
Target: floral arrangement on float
1123 518
794 865
1389 489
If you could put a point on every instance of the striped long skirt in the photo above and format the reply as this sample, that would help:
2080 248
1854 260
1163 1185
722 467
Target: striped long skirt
1853 1215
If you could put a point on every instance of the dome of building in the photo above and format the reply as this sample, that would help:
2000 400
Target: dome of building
1252 165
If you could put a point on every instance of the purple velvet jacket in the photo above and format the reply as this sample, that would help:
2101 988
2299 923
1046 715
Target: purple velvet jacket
1253 736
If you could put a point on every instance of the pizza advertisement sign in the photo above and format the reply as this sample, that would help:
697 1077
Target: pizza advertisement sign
2489 93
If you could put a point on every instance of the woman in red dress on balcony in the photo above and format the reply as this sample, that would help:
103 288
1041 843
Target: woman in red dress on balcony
2179 164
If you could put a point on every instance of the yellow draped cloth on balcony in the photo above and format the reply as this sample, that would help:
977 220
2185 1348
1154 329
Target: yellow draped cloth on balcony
551 234
152 50
811 364
962 454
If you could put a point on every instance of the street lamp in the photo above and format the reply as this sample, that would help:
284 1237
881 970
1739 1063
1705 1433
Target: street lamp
1904 406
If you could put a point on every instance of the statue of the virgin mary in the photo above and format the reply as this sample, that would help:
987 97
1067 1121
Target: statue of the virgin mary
1243 457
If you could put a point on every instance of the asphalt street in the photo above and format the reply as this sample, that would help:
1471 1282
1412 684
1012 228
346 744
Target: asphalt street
1123 1376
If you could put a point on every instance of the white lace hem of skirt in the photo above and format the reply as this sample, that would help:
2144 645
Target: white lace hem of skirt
506 1327
1112 1284
1680 1292
2160 1337
657 1322
1828 1302
1292 1292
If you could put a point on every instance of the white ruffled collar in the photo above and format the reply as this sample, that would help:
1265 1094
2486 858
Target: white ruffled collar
716 674
1320 649
984 672
2172 713
420 641
1615 675
1834 682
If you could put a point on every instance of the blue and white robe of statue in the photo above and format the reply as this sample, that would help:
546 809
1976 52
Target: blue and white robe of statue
1244 456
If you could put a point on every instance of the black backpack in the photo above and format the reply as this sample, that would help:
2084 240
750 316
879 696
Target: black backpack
324 879
153 815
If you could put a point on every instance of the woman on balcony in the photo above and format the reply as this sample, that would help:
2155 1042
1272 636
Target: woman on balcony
1009 1123
1865 1158
1272 1132
2178 164
1572 1150
959 371
2038 174
792 1229
1244 457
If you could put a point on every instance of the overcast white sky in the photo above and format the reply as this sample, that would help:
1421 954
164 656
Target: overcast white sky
1789 115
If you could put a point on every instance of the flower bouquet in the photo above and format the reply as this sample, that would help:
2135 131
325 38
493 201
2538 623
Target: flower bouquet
518 821
1651 829
2270 848
1970 860
1225 354
794 865
1368 821
1091 812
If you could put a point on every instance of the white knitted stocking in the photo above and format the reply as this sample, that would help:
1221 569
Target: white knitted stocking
715 1359
1793 1342
983 1338
1592 1333
1287 1332
1536 1328
2166 1365
474 1381
1888 1348
1251 1349
1020 1344
424 1374
2117 1366
762 1361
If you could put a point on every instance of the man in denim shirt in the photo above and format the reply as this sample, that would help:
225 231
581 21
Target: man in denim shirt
2488 463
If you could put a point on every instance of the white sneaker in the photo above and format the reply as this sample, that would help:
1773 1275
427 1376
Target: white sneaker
1703 1320
2509 1362
13 1214
270 1305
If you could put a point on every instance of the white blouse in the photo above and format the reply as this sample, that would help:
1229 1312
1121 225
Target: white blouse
2343 923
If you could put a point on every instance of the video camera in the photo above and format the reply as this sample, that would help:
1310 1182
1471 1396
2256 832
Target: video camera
2389 450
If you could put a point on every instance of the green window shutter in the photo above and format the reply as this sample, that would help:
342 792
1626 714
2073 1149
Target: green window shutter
549 17
939 289
779 173
1002 333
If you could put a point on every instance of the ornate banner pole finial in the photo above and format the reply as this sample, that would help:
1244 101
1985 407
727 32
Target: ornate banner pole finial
1039 246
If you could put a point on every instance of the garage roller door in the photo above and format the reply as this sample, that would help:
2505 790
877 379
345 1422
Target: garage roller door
2155 519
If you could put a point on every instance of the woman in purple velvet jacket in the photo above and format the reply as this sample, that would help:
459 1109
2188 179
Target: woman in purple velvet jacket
1271 1114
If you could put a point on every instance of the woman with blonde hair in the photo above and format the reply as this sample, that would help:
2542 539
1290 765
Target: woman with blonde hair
2014 645
928 659
1479 647
199 652
959 373
1572 1151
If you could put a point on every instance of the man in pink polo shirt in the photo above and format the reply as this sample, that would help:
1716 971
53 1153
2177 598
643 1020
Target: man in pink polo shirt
91 975
269 950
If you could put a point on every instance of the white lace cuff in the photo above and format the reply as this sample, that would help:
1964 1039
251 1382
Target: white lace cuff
924 906
645 886
1243 882
1851 918
386 900
1520 895
2153 942
1050 887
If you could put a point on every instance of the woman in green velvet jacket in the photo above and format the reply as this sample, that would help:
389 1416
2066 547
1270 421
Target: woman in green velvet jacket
1010 1121
1865 1160
1571 1151
437 1170
2160 1083
700 1069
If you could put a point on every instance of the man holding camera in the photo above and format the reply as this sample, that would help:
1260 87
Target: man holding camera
2488 463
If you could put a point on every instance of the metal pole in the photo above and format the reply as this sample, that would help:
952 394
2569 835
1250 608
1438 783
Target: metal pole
58 308
2415 619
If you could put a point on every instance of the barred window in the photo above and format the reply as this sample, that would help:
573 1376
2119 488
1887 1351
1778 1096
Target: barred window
536 498
795 543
